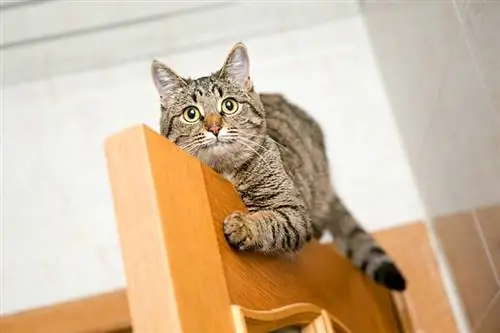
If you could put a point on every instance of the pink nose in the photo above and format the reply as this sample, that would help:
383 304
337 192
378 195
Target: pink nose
214 129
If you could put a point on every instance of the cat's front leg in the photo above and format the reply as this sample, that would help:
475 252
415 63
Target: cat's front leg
277 230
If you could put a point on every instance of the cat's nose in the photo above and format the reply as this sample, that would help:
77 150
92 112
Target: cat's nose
213 123
214 129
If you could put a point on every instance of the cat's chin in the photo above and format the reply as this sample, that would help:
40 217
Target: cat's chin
216 155
215 151
219 149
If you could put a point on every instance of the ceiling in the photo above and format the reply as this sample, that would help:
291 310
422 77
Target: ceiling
43 38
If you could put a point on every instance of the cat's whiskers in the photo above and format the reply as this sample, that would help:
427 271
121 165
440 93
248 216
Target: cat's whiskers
188 146
255 143
263 158
193 146
253 149
250 136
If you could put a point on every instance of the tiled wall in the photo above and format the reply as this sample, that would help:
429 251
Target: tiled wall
471 241
439 61
440 65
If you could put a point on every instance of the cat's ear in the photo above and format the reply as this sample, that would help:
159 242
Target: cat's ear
237 66
165 80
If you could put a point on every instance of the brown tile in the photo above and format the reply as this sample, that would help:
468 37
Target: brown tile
491 323
489 220
467 258
428 304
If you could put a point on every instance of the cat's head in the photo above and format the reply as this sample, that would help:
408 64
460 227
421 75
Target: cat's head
213 117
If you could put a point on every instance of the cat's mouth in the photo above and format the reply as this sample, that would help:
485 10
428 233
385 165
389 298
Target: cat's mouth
219 141
216 142
219 145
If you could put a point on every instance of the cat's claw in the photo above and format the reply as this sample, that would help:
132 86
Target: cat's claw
238 232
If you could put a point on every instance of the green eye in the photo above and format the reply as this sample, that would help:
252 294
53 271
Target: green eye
229 106
191 114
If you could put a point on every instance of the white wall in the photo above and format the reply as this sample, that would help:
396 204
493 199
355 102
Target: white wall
59 237
443 82
67 36
440 66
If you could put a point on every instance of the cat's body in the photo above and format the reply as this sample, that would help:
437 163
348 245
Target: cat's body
274 154
302 150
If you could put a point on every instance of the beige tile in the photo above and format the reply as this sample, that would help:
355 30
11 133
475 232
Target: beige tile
482 25
428 304
461 6
458 162
412 43
471 269
489 220
491 323
441 108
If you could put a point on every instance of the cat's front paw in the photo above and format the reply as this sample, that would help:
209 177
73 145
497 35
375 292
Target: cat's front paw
238 232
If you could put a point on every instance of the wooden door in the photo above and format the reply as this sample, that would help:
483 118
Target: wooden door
183 277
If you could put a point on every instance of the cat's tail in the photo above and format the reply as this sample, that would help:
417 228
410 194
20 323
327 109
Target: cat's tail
362 249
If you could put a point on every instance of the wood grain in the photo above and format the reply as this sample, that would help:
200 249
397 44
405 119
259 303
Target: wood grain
170 210
321 324
240 325
317 275
103 313
182 277
175 280
309 316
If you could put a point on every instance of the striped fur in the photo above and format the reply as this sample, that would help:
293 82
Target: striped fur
274 154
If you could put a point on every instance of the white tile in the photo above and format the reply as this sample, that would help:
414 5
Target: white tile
460 157
461 8
481 26
440 105
412 43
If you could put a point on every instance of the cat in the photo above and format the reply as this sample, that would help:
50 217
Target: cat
274 154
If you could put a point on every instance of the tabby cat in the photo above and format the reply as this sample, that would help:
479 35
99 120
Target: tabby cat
274 154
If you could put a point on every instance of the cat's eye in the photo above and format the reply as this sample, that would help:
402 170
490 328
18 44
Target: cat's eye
229 106
191 114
